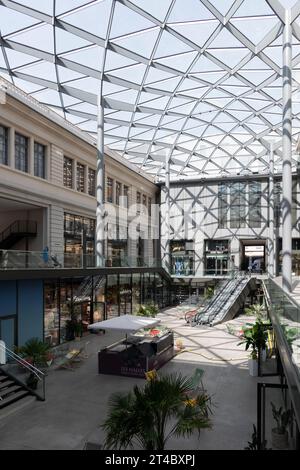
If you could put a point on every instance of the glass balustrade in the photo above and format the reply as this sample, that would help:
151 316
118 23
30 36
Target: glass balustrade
15 260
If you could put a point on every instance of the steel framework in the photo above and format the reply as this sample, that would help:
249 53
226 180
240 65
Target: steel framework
198 81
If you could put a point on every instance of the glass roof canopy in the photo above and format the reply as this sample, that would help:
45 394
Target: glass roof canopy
197 81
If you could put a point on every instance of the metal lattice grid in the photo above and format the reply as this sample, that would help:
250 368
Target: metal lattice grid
198 82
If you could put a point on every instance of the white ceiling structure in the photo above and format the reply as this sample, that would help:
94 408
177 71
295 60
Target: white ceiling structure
196 81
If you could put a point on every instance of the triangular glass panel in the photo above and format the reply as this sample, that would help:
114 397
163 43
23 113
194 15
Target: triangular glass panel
18 59
116 61
134 73
230 57
257 28
91 57
155 75
225 39
170 45
43 70
156 8
127 21
189 10
90 16
12 21
46 6
256 77
66 41
198 32
67 75
26 86
67 5
179 62
250 8
91 85
40 37
223 5
141 43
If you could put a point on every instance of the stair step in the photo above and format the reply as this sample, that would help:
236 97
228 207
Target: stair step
16 406
10 389
14 397
5 383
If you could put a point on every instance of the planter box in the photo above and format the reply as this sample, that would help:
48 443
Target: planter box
253 367
280 441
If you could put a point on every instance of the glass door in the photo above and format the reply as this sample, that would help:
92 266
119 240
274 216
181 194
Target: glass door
8 331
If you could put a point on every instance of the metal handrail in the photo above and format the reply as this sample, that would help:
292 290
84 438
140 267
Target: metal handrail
31 368
19 226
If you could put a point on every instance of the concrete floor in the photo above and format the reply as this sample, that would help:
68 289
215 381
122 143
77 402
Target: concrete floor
77 401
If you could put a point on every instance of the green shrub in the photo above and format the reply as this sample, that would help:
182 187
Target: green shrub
147 310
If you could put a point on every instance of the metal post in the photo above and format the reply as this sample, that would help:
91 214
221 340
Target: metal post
287 155
167 215
100 182
271 254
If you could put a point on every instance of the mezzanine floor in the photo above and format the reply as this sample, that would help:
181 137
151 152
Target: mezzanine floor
77 401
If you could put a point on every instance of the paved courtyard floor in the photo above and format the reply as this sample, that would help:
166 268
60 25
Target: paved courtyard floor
76 402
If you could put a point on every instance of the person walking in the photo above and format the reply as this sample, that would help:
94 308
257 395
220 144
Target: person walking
46 255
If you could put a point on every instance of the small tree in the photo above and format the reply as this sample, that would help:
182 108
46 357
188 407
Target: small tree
255 337
150 416
256 310
283 418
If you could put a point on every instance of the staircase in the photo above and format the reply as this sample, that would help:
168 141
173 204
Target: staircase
16 231
13 396
85 288
15 390
228 301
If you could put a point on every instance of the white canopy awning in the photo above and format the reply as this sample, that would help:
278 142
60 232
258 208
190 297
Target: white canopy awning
127 323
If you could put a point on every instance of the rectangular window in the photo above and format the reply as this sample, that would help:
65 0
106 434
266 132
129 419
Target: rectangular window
254 204
149 206
80 177
39 160
21 152
3 145
110 190
237 205
92 182
222 205
126 196
138 202
118 192
68 172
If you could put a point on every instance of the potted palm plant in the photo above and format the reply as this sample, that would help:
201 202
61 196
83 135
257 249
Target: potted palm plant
256 338
280 434
149 416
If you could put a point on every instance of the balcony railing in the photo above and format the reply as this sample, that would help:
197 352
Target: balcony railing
16 260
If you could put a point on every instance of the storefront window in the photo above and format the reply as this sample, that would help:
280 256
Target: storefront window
125 294
51 313
136 292
112 296
182 257
216 257
65 298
